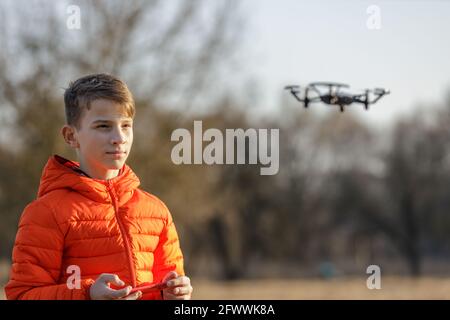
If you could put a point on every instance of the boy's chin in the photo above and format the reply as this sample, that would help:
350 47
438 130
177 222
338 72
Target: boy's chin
115 164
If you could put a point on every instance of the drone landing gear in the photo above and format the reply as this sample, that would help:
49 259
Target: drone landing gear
341 107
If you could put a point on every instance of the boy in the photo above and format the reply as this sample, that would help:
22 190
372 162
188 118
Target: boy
91 233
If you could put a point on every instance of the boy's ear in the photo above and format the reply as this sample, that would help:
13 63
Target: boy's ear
70 136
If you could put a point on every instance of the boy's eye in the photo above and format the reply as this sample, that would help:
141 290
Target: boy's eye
103 126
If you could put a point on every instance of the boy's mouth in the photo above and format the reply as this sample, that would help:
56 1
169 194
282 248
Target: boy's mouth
117 154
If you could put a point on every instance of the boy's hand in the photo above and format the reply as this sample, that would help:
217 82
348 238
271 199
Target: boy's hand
179 287
100 289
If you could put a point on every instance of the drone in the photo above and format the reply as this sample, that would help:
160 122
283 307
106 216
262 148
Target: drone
329 93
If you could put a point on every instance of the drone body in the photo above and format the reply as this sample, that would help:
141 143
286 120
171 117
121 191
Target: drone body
333 96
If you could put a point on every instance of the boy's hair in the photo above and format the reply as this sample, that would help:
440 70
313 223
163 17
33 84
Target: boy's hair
80 93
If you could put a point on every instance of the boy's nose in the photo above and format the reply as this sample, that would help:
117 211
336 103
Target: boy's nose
118 137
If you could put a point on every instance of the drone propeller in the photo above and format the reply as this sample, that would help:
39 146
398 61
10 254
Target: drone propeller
292 87
378 91
330 84
295 90
381 91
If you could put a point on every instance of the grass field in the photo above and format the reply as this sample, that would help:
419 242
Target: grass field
343 288
349 288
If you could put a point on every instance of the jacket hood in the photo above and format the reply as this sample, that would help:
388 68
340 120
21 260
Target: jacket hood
60 173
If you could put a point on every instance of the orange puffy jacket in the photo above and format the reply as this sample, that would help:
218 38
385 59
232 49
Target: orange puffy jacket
101 226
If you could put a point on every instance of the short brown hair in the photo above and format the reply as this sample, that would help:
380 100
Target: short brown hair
83 91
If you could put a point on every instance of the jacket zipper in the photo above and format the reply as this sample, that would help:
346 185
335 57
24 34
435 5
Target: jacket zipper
122 231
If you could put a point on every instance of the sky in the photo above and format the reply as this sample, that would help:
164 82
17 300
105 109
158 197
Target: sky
298 42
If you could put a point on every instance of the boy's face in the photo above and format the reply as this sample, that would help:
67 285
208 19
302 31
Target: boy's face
104 138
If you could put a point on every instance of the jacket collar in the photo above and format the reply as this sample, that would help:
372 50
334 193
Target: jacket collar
61 173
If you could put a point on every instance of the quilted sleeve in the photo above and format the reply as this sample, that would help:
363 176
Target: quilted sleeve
36 259
168 255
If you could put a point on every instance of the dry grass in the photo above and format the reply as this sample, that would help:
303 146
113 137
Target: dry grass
344 288
347 288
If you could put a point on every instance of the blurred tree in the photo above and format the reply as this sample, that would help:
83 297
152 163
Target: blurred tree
167 52
416 179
